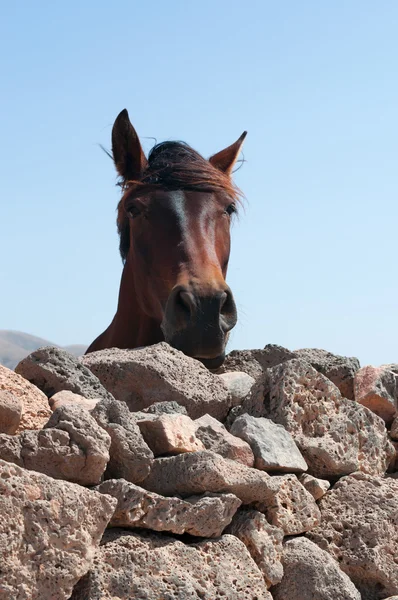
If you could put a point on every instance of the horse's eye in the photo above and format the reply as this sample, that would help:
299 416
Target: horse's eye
230 209
133 211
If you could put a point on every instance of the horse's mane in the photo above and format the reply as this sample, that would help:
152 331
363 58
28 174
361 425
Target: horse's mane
172 166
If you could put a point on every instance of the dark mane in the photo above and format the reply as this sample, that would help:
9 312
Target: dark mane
172 166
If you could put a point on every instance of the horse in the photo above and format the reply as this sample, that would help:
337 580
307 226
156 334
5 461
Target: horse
174 221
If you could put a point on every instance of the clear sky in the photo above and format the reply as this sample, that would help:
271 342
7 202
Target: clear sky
315 84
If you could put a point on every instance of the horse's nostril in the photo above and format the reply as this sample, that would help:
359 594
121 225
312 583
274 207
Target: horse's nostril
186 301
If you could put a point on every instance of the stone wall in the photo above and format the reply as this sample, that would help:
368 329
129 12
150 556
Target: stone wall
140 474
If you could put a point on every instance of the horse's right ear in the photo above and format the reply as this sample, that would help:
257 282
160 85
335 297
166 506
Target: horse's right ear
129 158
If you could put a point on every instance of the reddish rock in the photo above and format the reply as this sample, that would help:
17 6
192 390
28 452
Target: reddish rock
170 434
67 398
316 487
217 438
377 389
10 412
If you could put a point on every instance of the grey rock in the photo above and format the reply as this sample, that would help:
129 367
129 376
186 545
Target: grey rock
339 369
204 516
52 370
239 385
49 531
10 412
360 530
159 373
72 447
217 438
336 436
263 541
130 456
316 487
310 573
255 362
394 430
273 447
166 408
152 567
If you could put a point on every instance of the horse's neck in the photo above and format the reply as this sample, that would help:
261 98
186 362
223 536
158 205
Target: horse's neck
131 327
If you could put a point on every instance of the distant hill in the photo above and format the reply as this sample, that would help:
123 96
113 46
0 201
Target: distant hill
15 345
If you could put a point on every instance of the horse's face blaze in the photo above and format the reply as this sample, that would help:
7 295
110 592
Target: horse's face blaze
174 223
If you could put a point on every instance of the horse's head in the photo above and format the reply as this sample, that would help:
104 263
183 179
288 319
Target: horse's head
174 223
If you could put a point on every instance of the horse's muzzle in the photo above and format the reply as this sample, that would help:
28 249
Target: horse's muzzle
198 323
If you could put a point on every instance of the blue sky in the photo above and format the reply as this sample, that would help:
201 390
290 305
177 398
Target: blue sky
314 253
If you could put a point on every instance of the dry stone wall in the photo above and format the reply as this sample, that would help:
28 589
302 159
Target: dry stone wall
140 474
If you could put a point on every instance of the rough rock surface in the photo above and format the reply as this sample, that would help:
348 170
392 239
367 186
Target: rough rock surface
394 430
289 506
255 362
36 410
66 397
339 369
273 447
53 369
72 447
217 438
204 516
263 541
238 384
336 436
130 456
165 408
48 533
10 412
170 434
377 389
153 567
311 574
360 530
157 373
316 487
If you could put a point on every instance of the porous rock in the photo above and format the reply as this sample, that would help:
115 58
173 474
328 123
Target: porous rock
360 530
339 369
316 487
10 412
165 408
36 410
255 362
263 541
377 389
158 373
217 438
273 447
170 434
66 398
205 471
310 573
151 566
289 506
72 447
204 516
49 531
52 369
130 456
394 430
335 435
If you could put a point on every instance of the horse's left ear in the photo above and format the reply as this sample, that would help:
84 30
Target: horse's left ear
129 158
225 159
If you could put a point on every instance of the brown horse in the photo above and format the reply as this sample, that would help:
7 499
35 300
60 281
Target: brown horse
174 224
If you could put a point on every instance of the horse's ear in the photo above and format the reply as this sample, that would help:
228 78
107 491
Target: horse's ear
225 159
129 158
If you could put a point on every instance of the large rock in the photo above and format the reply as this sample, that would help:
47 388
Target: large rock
217 438
35 410
339 369
204 516
263 541
67 398
199 472
289 506
360 530
394 430
377 389
311 574
152 567
336 436
157 373
239 385
53 369
255 362
49 531
170 434
130 456
72 446
10 412
273 447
